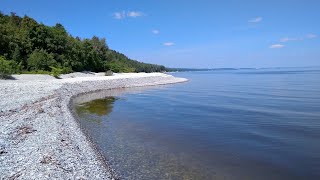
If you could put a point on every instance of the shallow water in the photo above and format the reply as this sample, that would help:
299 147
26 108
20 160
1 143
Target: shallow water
227 124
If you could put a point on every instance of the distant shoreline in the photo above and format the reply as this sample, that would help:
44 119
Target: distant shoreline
40 138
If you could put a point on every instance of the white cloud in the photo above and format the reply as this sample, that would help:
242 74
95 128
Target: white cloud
134 14
308 36
155 31
286 39
124 14
119 15
255 20
276 46
168 43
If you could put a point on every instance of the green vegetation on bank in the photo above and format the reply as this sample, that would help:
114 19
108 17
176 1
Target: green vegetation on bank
26 45
7 68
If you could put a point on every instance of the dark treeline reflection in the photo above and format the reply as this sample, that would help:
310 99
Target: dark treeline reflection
94 110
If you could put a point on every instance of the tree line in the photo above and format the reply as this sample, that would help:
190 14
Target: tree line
29 46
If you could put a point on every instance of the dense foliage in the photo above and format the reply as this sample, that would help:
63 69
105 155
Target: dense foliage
40 48
7 68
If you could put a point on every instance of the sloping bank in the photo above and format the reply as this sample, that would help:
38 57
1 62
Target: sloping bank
39 137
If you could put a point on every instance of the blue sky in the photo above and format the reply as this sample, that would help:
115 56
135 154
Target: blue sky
185 33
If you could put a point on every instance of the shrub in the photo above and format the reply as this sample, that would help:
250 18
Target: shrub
7 68
36 72
41 60
56 72
117 67
66 70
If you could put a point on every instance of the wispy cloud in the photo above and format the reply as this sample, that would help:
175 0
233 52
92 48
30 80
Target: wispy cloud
119 15
125 14
255 20
308 36
289 39
155 31
286 39
134 14
311 36
168 43
276 46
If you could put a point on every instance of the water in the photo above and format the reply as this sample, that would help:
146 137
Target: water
231 124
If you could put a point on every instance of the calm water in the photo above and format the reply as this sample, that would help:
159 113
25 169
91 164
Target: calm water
235 124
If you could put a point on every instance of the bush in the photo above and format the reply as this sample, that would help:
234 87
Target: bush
7 68
41 60
36 72
66 70
117 67
56 72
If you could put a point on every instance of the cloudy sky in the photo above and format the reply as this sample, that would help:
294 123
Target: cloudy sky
185 33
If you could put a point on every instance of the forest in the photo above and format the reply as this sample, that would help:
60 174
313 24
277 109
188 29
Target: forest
27 46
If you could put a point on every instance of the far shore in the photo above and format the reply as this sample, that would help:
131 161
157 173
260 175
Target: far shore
39 136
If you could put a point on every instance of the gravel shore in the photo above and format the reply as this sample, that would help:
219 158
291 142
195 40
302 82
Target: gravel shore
39 137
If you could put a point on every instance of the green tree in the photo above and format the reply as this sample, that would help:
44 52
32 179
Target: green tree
41 60
7 68
36 47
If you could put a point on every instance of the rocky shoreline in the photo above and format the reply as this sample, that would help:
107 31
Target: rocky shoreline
39 136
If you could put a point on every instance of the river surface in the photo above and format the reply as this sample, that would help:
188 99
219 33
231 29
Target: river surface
222 124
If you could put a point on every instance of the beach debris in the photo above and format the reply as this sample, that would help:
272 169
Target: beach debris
25 130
